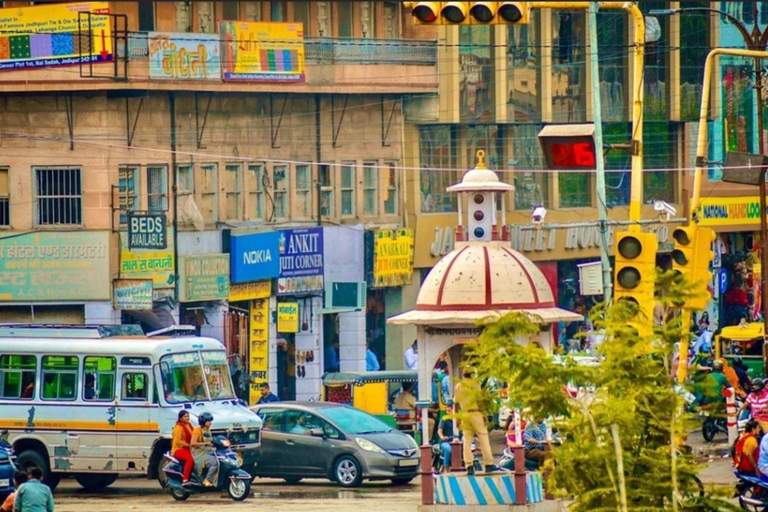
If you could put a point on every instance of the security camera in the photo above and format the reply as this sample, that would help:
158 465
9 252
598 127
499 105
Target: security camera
537 214
665 209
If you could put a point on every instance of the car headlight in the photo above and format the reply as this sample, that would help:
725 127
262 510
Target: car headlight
368 446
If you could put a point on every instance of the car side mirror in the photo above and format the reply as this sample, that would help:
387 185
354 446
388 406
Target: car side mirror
316 432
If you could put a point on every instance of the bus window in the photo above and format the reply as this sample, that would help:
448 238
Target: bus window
17 376
217 372
99 378
183 378
59 377
135 386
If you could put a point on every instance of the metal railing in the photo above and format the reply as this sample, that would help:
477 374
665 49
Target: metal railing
336 50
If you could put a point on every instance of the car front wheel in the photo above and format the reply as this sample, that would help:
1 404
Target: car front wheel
347 472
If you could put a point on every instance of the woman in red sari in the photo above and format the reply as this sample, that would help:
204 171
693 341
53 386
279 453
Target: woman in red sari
182 435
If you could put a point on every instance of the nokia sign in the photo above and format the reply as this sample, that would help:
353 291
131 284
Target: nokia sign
255 257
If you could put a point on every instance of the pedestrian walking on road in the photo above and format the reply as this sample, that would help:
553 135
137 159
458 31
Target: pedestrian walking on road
180 448
33 495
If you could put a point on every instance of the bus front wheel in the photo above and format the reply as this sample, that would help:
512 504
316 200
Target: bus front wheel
32 458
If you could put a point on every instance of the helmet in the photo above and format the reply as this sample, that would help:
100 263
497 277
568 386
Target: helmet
204 418
757 384
717 366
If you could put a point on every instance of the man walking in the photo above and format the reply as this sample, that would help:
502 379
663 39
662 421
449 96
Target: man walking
34 495
472 423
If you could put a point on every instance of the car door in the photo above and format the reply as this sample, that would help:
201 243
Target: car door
305 453
270 451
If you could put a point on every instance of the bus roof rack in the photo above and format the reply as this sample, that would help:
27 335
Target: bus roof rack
174 330
68 331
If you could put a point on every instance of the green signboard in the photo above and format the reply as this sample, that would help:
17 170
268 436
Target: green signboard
55 266
204 277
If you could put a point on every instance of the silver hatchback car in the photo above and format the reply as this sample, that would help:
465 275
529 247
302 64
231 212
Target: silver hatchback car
326 440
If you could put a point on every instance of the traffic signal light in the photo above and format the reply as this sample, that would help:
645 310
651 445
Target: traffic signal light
480 225
469 13
635 276
691 257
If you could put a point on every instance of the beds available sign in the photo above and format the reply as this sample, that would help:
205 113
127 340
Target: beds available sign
147 231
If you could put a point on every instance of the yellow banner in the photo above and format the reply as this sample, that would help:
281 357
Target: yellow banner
729 211
49 35
258 336
392 257
262 52
148 263
250 291
288 317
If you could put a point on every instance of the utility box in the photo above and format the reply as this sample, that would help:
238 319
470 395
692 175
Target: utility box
591 278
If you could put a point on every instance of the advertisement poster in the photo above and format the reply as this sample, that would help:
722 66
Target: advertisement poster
288 317
55 266
153 264
392 257
250 291
132 294
259 339
181 56
255 257
54 35
262 52
301 260
204 277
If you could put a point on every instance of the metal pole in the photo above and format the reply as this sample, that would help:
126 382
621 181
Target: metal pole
763 222
174 187
602 213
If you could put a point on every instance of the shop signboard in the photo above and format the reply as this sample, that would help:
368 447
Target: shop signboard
301 261
255 257
287 317
262 52
250 291
729 211
48 35
154 264
204 277
147 231
392 257
132 294
72 265
183 56
259 339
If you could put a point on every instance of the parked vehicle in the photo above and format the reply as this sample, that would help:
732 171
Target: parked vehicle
745 341
98 402
7 469
236 481
338 442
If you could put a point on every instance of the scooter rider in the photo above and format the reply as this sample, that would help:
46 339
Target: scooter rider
757 401
202 451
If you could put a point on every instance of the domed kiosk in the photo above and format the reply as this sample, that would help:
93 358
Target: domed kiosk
483 277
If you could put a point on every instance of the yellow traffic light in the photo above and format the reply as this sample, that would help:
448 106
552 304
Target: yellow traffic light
426 13
682 255
455 13
635 276
483 12
702 258
513 12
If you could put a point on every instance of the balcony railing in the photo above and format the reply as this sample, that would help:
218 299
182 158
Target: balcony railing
331 50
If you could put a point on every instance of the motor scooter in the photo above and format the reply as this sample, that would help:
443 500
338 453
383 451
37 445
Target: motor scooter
752 491
714 420
236 481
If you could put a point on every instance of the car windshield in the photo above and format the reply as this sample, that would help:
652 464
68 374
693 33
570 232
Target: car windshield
183 376
354 421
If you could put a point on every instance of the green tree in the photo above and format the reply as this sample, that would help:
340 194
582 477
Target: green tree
623 434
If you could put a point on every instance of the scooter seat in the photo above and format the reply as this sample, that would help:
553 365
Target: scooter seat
756 480
171 458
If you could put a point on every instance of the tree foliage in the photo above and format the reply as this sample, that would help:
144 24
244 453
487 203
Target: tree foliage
630 389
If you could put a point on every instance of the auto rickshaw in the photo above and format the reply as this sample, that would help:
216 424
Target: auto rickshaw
374 393
745 341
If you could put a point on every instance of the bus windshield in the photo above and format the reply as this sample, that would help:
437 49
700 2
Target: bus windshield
183 376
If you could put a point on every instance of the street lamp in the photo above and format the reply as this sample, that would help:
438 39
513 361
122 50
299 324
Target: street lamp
754 40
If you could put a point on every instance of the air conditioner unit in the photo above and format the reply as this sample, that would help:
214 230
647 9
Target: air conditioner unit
345 296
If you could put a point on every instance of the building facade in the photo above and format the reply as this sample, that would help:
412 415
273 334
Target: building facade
176 116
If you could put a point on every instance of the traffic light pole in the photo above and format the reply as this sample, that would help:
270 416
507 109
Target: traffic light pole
701 162
602 212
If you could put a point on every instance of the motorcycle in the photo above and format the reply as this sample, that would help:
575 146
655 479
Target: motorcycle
236 481
752 492
714 421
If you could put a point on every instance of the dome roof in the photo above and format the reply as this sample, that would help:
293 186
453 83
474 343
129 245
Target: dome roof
480 179
477 280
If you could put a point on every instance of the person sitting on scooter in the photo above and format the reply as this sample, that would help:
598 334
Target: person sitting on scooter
746 451
182 435
713 385
757 401
446 435
741 372
202 450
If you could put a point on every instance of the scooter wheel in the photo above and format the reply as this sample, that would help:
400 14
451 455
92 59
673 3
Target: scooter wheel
709 430
239 489
179 494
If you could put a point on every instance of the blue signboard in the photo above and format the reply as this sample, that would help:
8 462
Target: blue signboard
301 260
255 257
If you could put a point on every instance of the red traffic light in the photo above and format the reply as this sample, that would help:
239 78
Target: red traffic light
425 12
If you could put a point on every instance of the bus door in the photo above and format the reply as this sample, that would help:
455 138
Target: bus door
136 429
